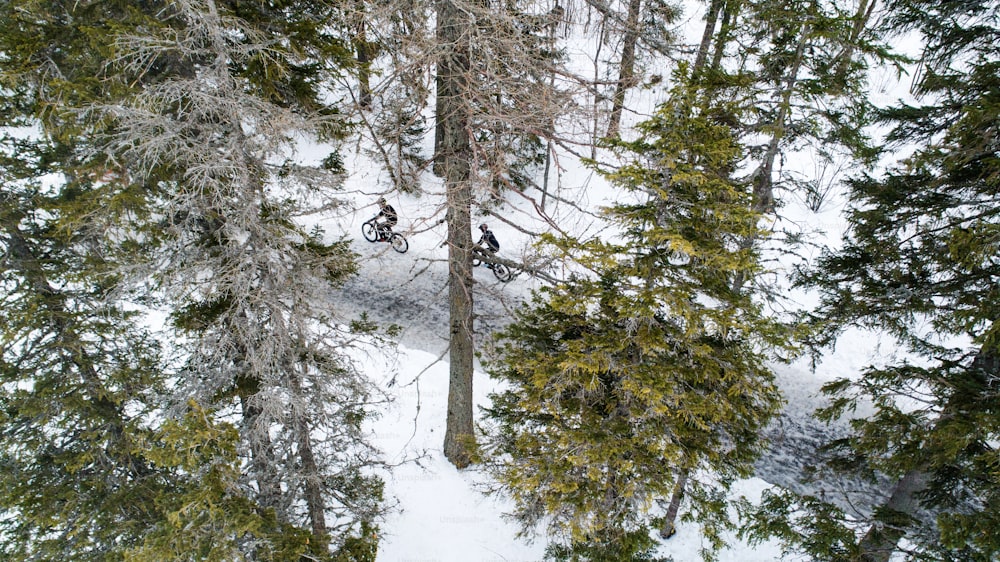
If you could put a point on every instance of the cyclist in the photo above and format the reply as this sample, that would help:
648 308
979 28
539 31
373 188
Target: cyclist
389 216
488 242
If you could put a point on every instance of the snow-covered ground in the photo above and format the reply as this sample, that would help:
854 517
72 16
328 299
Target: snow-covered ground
441 513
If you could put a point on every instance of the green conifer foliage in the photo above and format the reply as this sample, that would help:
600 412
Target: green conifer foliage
206 515
78 379
95 466
78 374
648 362
800 69
921 261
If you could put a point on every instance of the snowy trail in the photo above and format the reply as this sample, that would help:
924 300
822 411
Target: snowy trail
410 290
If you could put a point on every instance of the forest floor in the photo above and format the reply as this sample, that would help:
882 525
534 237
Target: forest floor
410 291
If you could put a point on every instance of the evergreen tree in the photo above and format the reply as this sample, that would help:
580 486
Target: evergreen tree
172 156
804 86
919 261
206 514
79 375
811 77
647 365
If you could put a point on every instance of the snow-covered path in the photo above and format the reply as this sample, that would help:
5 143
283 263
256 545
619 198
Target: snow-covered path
410 290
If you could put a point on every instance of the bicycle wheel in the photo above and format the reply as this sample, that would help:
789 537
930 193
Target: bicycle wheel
502 272
369 231
476 261
399 243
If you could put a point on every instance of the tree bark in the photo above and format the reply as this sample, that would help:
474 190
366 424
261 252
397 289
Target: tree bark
311 479
711 20
729 13
763 185
261 449
880 541
861 19
364 54
454 154
626 76
673 508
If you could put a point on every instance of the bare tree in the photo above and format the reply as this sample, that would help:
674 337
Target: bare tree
246 284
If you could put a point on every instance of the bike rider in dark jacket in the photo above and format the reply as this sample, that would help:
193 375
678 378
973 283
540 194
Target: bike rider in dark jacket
389 216
488 242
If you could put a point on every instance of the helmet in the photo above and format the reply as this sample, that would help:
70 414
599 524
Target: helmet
381 200
483 227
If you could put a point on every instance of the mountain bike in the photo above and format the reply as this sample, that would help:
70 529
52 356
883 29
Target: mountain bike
503 273
372 233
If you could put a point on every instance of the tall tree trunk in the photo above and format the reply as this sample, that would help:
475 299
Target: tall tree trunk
711 20
598 95
454 154
673 508
763 185
729 14
861 19
880 541
364 54
626 76
311 480
668 528
556 16
261 453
